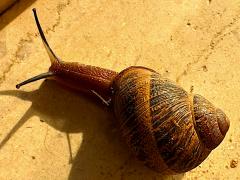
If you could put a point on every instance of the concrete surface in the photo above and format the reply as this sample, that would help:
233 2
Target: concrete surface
195 43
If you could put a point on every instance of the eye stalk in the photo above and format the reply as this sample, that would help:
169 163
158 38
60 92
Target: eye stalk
35 78
52 56
50 52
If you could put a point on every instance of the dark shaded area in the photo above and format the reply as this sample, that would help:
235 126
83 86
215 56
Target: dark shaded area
13 11
102 154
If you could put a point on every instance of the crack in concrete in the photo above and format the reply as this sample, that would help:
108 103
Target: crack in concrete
208 51
29 39
60 9
22 43
14 61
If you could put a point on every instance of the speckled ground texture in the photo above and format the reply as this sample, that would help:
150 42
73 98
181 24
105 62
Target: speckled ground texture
195 43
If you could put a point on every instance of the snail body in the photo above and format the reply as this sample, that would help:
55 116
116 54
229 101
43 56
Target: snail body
168 129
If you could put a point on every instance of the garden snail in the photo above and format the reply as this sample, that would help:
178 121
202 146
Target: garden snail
168 129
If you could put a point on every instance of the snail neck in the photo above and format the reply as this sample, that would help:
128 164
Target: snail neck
84 78
91 79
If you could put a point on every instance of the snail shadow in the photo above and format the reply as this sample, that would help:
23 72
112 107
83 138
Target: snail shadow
102 155
13 11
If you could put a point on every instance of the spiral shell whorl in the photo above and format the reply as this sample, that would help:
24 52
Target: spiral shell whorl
210 123
155 117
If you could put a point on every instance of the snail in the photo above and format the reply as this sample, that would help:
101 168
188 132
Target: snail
168 129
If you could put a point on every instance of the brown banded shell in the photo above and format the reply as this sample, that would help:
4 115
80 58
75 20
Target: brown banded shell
156 118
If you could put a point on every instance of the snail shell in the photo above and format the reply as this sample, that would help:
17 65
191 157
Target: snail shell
171 131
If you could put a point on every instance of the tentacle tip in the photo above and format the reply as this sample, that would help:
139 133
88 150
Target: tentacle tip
18 86
34 9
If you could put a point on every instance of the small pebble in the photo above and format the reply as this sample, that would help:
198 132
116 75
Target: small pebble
191 89
204 68
233 163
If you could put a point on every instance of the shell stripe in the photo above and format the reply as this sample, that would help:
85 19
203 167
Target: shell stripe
135 116
171 123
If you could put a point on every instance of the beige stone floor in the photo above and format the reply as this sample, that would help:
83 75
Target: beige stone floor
196 43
